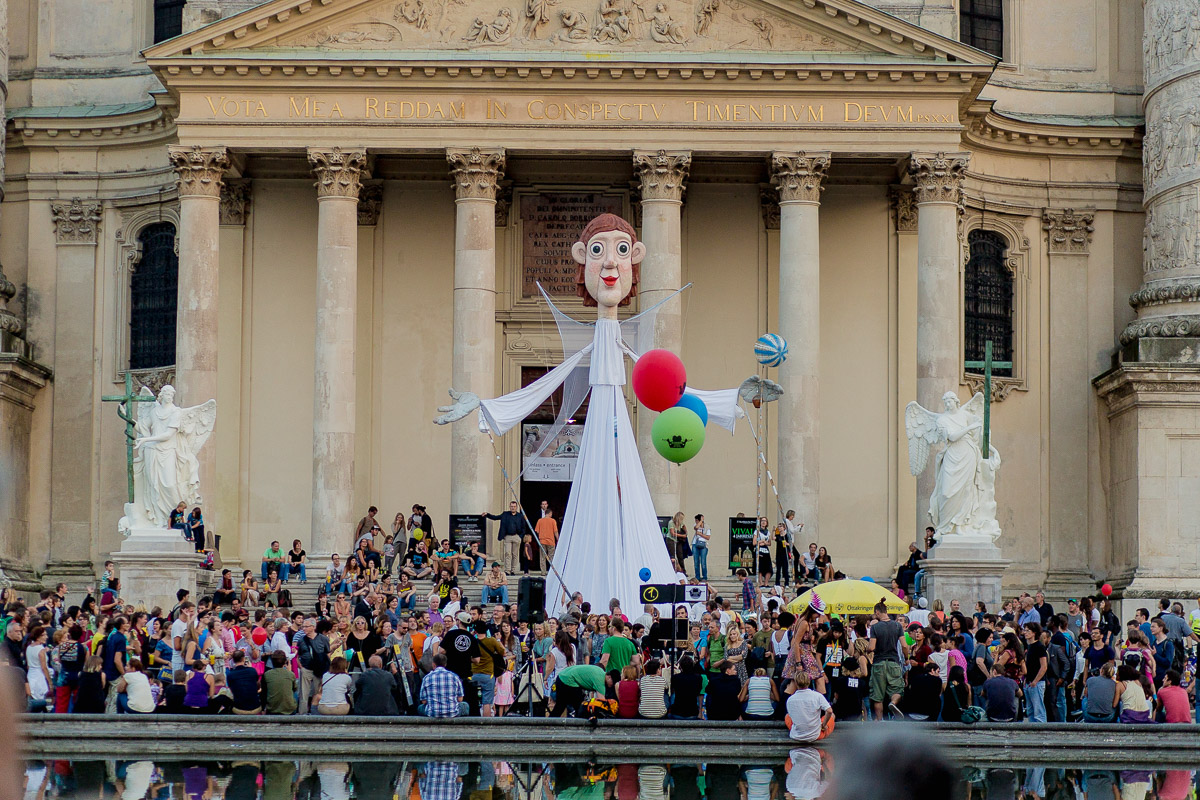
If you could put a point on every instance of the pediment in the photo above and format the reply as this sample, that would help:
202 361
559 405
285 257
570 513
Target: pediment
595 30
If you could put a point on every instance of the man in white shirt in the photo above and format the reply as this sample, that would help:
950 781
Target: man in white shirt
920 613
179 628
810 717
136 687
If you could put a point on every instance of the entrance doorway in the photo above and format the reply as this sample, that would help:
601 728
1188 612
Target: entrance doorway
538 484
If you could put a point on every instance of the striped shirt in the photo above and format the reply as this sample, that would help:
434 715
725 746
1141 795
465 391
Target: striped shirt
653 704
758 698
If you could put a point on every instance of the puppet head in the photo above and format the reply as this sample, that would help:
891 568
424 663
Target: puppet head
608 254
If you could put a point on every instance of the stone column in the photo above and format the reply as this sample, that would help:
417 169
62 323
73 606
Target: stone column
476 173
1070 426
662 175
339 177
229 497
200 173
72 511
938 180
1152 408
798 177
911 516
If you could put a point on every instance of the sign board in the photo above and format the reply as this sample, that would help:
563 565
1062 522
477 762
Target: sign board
558 459
467 528
741 543
663 593
550 223
664 525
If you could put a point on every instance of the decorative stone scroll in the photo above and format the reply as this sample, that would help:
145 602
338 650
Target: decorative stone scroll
768 201
339 172
1068 232
235 198
938 176
76 222
476 172
200 169
904 208
370 204
663 174
798 176
8 320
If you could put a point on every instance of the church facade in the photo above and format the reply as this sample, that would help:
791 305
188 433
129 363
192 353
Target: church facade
326 213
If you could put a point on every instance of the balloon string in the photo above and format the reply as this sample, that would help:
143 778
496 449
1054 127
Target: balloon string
549 566
763 459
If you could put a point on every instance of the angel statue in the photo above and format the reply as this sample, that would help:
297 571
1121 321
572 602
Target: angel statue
166 471
964 491
609 531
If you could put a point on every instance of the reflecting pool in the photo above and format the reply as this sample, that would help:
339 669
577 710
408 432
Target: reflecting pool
807 773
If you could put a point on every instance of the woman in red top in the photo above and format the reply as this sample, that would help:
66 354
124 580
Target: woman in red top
629 693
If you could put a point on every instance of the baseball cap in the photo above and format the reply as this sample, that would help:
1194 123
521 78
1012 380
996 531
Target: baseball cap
463 617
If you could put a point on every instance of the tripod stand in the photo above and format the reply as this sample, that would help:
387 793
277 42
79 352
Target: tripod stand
528 691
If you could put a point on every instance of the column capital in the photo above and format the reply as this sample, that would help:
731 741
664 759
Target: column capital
938 176
476 171
1068 231
200 169
904 208
76 221
235 199
798 176
663 173
370 203
339 172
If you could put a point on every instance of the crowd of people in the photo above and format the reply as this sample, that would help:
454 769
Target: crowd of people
375 645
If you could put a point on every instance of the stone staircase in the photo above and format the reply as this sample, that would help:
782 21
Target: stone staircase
304 596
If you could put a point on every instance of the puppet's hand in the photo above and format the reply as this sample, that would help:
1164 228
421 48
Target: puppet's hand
758 390
464 403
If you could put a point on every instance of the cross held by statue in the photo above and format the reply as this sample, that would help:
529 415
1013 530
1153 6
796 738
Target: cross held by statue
987 365
128 412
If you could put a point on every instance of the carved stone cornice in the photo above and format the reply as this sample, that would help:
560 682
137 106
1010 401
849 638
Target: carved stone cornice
1166 327
903 204
938 176
1001 387
154 377
662 173
339 172
1068 231
370 203
476 172
1159 293
798 176
504 196
768 201
200 169
76 222
235 199
8 320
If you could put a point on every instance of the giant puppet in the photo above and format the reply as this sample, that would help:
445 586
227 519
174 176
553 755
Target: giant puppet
609 532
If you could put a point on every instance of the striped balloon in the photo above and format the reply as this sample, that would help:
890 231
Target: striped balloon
771 350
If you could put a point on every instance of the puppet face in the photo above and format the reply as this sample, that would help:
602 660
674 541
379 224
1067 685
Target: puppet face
608 258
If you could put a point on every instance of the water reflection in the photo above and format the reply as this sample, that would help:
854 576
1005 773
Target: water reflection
806 774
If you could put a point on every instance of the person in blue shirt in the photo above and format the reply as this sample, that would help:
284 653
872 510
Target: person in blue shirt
1164 650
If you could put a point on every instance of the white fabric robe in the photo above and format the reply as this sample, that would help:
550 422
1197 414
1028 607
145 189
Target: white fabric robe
609 531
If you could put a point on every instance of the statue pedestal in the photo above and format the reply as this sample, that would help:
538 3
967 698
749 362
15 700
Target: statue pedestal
966 570
153 564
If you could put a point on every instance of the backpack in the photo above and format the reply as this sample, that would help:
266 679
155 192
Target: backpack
1072 646
1058 664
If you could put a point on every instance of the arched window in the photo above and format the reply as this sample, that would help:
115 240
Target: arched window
981 24
989 299
153 291
168 19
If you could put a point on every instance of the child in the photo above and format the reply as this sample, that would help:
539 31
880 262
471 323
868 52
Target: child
529 555
389 555
107 577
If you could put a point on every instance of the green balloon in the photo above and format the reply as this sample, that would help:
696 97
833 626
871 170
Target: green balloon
678 434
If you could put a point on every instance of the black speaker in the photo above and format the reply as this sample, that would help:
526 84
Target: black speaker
531 600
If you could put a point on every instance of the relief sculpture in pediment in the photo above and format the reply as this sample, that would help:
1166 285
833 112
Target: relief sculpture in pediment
615 25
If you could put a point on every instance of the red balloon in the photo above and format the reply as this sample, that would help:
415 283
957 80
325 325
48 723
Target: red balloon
1106 589
259 635
659 379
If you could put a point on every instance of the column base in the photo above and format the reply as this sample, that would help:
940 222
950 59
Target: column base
1062 584
76 574
153 564
967 571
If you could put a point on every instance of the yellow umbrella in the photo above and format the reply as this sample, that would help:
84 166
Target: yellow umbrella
847 597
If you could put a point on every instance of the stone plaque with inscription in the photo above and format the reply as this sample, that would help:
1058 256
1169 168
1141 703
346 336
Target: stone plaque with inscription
551 222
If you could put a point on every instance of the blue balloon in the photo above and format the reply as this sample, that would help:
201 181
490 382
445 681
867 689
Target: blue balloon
693 403
868 579
644 574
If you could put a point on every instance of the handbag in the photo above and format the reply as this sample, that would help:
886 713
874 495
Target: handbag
530 687
969 715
